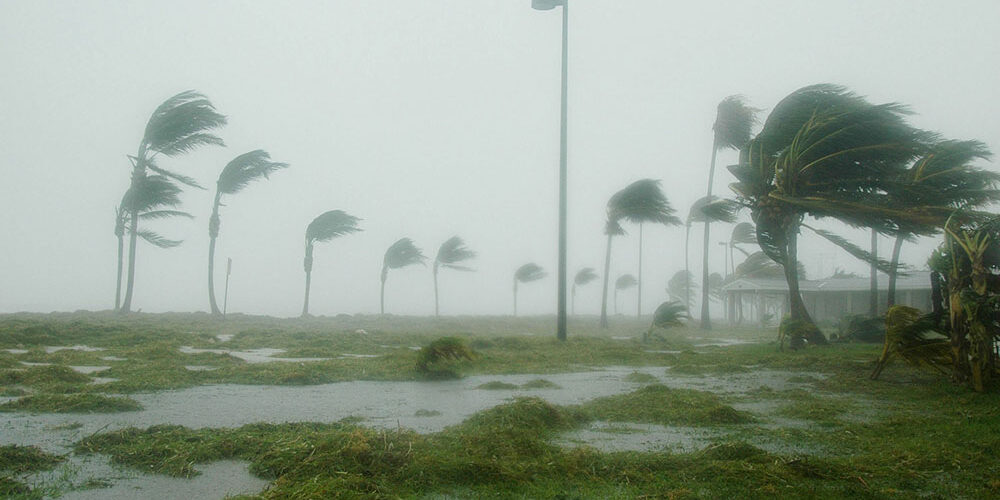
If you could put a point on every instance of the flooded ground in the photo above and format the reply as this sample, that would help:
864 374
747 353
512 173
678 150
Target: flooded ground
423 406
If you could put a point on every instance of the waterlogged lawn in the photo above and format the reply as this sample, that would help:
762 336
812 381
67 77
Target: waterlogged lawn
806 424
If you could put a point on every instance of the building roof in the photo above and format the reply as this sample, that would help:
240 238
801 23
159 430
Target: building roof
914 280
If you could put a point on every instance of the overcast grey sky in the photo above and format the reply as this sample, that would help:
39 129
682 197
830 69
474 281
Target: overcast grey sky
427 119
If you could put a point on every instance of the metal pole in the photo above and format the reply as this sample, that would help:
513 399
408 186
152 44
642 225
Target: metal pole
561 303
225 298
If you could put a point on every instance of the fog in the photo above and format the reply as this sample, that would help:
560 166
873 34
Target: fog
427 120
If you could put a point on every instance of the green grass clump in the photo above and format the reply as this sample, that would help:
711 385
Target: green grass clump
641 378
540 383
10 487
70 403
426 413
659 404
42 376
497 385
23 459
437 359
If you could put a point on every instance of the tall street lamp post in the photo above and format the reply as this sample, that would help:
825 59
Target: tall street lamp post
561 294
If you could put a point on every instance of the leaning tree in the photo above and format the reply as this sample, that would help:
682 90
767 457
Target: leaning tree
400 254
181 124
326 227
824 152
235 176
624 282
734 120
705 210
526 274
450 256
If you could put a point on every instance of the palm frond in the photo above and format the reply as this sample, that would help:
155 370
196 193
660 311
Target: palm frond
164 214
246 168
743 233
181 124
150 193
669 314
453 251
642 201
402 253
856 251
715 282
157 240
529 272
759 265
679 284
331 224
713 209
625 281
183 179
584 276
734 121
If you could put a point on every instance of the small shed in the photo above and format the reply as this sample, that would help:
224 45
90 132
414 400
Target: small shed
827 300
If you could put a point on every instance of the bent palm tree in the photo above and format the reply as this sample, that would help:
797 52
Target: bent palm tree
705 210
181 124
825 152
743 234
153 199
450 254
236 175
679 287
526 274
624 282
583 276
326 227
734 120
400 254
641 201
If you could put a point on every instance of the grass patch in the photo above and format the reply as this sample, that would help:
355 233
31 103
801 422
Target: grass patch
641 378
70 403
497 385
540 383
426 413
24 459
659 404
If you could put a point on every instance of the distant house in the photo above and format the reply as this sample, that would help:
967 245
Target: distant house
827 300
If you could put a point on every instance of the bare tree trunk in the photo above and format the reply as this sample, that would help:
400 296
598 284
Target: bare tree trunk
687 270
130 282
121 257
515 297
385 275
436 311
616 301
797 308
213 233
307 264
706 320
873 277
572 304
604 292
638 302
893 272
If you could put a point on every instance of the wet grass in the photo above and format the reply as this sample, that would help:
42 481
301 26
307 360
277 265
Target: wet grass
658 404
16 461
70 403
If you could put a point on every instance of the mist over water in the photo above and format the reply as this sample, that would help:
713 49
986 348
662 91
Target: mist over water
428 120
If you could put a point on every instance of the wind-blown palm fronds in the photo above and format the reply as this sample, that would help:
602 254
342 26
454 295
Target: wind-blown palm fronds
451 253
179 125
235 176
624 282
679 287
526 274
400 254
639 202
914 337
824 152
325 227
667 315
583 277
706 209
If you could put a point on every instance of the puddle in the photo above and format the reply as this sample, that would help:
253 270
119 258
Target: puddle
200 368
102 380
720 342
611 437
83 348
113 358
349 355
653 351
224 337
622 338
17 351
87 370
262 355
28 363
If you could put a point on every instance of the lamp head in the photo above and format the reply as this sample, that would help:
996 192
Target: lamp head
546 4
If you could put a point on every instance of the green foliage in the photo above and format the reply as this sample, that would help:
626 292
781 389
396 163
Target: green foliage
712 209
246 168
659 404
402 253
641 201
862 328
797 332
584 276
668 315
331 224
452 252
23 459
529 272
734 120
436 359
625 281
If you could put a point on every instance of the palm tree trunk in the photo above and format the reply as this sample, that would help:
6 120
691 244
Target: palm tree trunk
436 311
706 321
893 271
616 301
797 308
572 304
687 269
130 282
213 233
873 304
604 292
638 302
121 257
385 274
515 297
307 264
